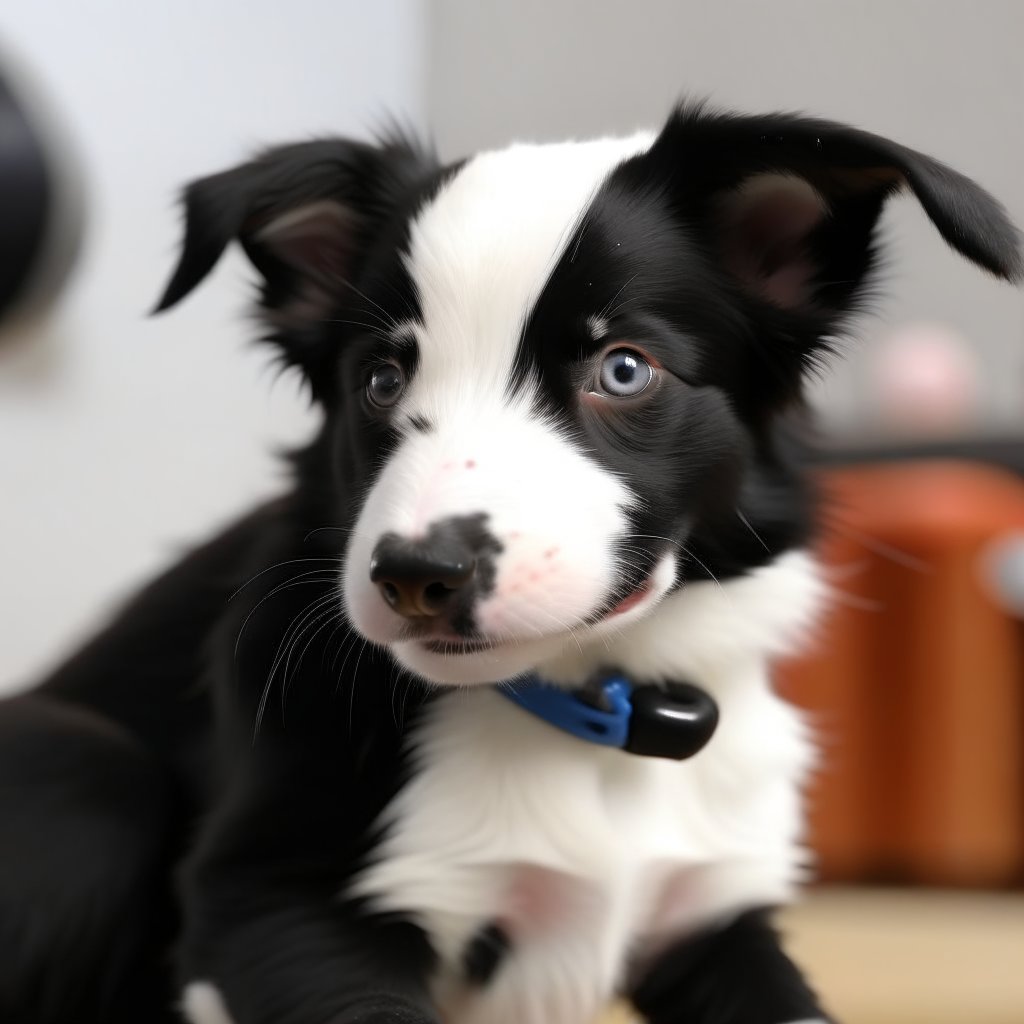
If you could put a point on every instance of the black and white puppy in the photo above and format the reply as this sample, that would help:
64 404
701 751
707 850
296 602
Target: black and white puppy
553 381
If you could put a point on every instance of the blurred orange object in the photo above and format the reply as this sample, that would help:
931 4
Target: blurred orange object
917 683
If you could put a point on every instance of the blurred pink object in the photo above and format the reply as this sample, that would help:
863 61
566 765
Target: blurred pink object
926 381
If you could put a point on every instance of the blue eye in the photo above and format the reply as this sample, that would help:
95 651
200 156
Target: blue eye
385 386
624 373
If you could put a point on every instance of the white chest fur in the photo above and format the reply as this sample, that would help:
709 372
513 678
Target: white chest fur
590 857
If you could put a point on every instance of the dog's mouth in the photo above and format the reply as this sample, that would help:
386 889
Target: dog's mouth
456 646
631 600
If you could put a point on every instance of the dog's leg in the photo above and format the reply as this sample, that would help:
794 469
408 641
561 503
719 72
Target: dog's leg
286 960
261 950
734 975
268 938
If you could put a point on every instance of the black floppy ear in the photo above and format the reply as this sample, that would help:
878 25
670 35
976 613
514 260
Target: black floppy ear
790 203
304 215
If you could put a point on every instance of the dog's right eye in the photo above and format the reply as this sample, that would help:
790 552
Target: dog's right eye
624 373
385 385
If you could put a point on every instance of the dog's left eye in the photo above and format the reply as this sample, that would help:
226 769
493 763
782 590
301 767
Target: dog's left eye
385 385
624 373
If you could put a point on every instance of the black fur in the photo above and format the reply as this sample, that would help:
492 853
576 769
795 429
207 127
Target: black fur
205 776
485 953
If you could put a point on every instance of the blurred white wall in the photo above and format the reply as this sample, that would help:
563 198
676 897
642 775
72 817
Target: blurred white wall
944 76
122 438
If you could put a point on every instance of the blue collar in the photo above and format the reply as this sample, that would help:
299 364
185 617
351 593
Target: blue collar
672 720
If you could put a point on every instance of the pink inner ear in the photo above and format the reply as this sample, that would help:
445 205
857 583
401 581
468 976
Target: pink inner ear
315 239
766 226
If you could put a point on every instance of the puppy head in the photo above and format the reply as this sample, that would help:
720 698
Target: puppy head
551 373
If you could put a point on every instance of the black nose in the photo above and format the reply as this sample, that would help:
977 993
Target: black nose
422 578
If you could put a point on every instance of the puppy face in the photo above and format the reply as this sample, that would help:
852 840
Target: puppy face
539 410
553 375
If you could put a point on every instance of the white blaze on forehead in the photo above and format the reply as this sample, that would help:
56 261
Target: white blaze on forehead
482 250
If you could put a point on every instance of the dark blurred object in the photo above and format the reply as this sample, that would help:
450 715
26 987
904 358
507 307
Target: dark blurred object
917 684
40 201
1005 452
